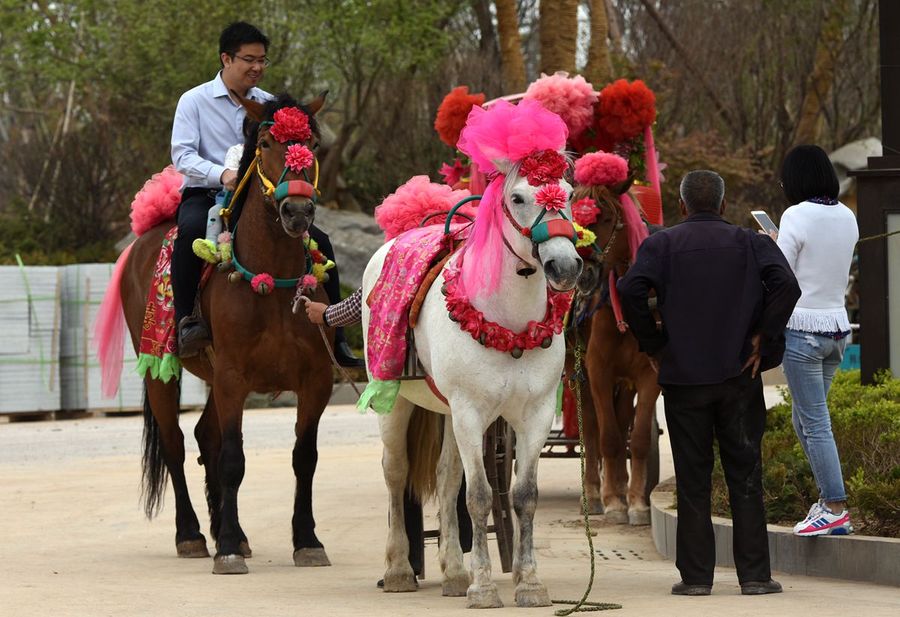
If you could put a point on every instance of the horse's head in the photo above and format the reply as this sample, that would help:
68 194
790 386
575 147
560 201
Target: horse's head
618 228
541 217
286 137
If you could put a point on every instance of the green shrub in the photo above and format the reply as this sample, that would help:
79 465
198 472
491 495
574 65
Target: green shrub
866 425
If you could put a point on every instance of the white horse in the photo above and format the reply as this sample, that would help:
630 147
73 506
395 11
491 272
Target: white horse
480 385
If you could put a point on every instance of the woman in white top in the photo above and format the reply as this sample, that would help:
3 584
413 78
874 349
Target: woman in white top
817 236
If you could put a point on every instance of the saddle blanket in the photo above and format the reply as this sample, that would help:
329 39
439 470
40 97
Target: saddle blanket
405 267
158 352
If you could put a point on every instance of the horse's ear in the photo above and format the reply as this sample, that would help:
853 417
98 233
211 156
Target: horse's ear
317 103
254 109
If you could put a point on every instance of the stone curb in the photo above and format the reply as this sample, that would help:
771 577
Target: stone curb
856 558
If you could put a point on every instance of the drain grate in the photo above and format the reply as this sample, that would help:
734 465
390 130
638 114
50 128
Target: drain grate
623 554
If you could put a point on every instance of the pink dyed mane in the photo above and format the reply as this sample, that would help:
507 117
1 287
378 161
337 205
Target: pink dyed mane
636 229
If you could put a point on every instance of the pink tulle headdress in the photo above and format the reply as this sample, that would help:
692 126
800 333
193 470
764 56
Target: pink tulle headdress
498 139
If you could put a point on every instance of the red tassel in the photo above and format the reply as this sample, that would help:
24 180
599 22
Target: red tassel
616 303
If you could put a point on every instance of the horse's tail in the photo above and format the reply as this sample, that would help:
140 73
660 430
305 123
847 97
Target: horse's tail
153 464
423 448
109 330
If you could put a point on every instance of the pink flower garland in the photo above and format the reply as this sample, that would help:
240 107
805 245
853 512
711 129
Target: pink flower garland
495 336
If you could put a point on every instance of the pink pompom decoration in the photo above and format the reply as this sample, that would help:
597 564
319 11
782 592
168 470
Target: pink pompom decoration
572 98
157 201
601 169
405 208
224 238
585 211
298 158
553 197
263 284
309 282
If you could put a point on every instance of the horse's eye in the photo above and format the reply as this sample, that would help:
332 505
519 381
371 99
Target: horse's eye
264 144
518 199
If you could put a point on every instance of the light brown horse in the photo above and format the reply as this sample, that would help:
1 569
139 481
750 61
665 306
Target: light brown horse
258 346
616 371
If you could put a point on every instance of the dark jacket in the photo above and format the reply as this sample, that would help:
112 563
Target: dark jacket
717 285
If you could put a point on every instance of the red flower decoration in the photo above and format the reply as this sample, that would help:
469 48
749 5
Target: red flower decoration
553 197
453 174
453 113
298 158
585 211
625 110
291 124
543 167
317 256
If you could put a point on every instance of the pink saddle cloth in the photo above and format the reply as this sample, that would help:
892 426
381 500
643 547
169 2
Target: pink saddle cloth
405 267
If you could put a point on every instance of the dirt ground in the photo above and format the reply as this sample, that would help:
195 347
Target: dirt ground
77 543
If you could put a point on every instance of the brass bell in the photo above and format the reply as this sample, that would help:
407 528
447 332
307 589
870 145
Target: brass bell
444 289
517 352
225 266
546 342
263 289
483 338
234 277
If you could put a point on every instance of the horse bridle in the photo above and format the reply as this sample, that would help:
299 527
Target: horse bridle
538 232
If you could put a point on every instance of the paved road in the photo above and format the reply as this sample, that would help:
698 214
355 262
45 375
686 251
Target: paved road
76 542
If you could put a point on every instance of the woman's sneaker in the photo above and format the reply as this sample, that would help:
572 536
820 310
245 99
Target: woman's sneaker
820 521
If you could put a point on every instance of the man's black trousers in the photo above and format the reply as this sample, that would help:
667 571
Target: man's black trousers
735 413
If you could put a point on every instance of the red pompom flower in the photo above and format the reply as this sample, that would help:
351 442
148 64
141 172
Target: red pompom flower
625 110
553 197
298 158
585 211
543 167
291 124
453 113
263 284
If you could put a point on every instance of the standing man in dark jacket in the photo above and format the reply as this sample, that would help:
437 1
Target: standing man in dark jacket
725 294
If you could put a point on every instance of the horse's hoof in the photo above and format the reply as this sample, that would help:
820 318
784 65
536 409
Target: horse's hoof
400 582
595 507
617 517
229 564
531 595
456 586
638 517
311 558
192 549
485 596
244 549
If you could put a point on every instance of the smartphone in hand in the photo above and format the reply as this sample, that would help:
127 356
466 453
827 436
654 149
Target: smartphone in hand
765 223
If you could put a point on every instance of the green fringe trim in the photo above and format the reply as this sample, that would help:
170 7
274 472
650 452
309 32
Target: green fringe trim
559 397
379 396
163 369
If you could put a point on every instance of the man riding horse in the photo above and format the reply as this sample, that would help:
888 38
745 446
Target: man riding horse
208 120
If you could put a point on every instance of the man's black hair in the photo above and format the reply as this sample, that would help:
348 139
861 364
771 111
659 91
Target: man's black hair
702 191
240 33
807 173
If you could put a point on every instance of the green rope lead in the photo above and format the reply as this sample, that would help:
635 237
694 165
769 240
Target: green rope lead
582 605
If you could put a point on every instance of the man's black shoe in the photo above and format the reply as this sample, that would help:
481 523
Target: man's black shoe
193 336
683 589
758 588
344 356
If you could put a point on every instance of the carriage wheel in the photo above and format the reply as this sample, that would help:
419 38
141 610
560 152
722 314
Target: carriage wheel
499 446
653 457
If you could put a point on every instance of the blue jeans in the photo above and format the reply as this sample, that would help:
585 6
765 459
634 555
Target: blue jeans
810 361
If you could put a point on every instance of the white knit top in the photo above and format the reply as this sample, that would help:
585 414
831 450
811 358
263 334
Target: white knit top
818 242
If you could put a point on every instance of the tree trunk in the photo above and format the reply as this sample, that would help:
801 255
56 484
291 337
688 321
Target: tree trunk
558 35
512 61
599 69
820 81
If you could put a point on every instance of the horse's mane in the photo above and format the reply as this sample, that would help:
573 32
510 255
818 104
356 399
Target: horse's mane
483 251
251 128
